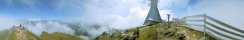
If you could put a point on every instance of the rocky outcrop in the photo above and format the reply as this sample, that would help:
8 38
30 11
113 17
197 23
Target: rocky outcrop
159 31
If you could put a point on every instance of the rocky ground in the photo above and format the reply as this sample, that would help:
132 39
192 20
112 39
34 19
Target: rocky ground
160 31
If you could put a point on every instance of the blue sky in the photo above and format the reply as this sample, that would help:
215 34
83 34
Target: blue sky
51 9
27 9
118 14
124 9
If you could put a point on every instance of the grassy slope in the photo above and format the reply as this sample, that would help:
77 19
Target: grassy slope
7 35
4 34
58 36
29 35
12 35
147 33
159 32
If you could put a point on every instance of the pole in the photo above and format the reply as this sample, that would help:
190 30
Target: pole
204 25
168 19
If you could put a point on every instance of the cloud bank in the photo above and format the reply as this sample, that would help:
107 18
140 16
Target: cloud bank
106 14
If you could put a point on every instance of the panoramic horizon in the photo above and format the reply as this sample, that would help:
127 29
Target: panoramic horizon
90 18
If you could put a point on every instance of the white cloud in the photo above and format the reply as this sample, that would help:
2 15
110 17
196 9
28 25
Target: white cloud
37 27
227 11
7 22
123 10
163 14
117 14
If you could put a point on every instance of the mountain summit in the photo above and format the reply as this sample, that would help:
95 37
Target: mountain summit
20 33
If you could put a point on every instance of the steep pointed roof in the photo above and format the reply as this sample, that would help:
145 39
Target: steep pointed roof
153 15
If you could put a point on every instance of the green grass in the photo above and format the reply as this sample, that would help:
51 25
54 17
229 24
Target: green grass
147 33
31 36
7 35
158 31
12 35
104 36
58 36
4 34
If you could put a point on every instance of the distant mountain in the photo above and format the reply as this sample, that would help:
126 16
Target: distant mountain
58 36
17 34
86 29
21 34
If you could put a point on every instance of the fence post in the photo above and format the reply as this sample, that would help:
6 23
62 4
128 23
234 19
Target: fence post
204 25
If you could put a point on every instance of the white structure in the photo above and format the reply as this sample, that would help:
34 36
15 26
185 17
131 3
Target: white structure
153 15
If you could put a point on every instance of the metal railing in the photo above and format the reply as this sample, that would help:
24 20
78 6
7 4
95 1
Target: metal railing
205 22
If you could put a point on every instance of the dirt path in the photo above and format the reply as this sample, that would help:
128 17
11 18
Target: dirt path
21 35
